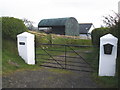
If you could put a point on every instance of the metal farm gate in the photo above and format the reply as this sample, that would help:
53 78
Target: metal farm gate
62 56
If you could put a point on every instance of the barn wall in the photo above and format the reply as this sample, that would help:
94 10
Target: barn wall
72 27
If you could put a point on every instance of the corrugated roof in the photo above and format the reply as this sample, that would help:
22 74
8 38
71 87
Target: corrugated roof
53 22
84 27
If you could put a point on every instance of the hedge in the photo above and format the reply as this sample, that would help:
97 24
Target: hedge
116 32
11 27
97 33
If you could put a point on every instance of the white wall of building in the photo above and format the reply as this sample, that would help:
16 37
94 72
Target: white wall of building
119 7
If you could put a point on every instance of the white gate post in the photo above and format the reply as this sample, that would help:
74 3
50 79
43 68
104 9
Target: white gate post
26 48
119 7
108 54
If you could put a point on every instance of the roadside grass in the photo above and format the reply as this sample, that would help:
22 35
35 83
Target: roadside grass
11 61
93 58
0 61
104 81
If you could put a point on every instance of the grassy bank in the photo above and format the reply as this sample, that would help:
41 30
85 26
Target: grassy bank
11 61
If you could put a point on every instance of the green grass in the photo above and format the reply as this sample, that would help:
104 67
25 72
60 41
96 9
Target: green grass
61 40
93 58
104 81
0 61
39 58
11 61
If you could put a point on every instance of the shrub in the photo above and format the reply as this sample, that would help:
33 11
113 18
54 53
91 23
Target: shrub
97 33
113 22
11 27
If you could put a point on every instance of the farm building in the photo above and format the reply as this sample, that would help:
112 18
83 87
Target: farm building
63 26
85 29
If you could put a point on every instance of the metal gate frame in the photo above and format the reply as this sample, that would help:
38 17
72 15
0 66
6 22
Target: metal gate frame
65 56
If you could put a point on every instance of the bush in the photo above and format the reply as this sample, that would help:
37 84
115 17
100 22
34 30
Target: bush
11 27
113 22
97 33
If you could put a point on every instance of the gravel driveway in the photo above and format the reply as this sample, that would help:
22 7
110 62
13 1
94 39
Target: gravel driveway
49 78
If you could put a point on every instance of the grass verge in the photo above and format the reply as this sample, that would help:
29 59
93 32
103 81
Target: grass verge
104 81
11 61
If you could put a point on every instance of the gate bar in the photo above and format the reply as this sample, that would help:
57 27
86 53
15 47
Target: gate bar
59 56
62 51
67 45
59 60
67 68
65 56
81 57
53 58
64 64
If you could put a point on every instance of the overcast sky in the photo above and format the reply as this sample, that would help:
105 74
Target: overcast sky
85 11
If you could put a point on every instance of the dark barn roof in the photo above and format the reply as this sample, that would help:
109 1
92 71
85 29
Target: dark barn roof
84 27
53 22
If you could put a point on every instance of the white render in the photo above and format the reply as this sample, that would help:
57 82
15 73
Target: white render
27 51
119 7
107 63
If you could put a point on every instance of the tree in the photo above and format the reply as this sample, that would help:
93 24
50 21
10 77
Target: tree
28 23
113 22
